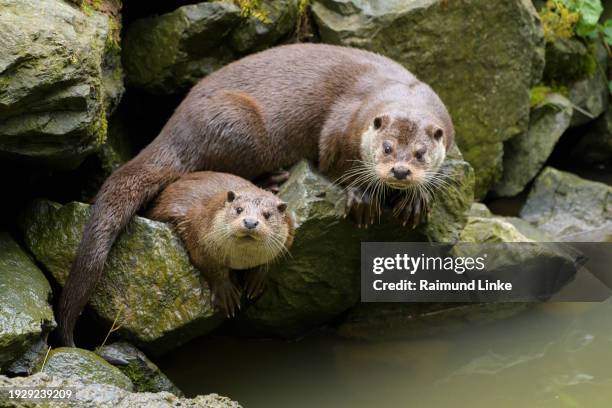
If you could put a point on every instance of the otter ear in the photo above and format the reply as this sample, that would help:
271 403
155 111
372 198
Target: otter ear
380 122
282 207
231 196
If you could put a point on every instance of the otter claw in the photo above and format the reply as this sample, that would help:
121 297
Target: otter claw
226 298
255 282
414 213
359 206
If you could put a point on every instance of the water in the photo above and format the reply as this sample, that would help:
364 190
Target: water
554 355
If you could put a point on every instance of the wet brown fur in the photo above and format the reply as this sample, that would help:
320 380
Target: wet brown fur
255 115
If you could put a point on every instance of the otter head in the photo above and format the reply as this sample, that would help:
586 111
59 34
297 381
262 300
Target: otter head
405 149
253 227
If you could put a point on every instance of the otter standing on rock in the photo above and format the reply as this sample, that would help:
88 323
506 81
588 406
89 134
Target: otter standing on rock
363 117
226 223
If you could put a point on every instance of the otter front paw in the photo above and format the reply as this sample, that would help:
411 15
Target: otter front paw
411 210
361 207
226 298
273 180
255 282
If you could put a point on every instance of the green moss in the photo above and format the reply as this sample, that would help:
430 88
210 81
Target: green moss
538 93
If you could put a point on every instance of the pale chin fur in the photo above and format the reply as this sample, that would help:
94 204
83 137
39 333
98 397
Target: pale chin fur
241 253
367 145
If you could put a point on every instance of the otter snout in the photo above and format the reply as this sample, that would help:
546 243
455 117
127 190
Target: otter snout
400 172
250 223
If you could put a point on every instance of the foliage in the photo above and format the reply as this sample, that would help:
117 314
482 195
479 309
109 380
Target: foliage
253 8
558 20
566 18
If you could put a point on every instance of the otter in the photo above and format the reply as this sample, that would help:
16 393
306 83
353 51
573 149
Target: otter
226 223
366 121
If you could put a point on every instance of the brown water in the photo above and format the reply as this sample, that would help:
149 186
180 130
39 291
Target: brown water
555 355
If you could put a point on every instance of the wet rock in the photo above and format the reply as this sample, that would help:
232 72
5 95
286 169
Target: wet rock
321 278
26 316
525 154
595 146
488 105
149 285
29 361
399 321
60 76
143 373
104 395
88 367
169 53
569 207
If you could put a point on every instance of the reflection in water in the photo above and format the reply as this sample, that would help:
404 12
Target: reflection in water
554 355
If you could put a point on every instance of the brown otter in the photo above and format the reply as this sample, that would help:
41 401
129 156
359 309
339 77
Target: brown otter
361 116
226 223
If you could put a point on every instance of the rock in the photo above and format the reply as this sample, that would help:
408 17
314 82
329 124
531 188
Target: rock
525 154
28 362
149 284
488 105
88 367
143 373
567 60
479 210
595 146
60 76
321 278
568 207
169 53
26 316
590 95
104 396
401 321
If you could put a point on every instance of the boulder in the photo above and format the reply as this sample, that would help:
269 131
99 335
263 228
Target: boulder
525 154
485 84
567 59
143 373
26 316
68 362
169 53
100 395
149 285
595 145
569 207
320 280
590 95
60 76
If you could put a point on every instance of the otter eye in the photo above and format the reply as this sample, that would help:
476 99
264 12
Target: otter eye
239 210
419 154
438 134
387 147
267 215
377 123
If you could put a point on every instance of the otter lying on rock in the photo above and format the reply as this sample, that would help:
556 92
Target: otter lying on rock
226 223
366 121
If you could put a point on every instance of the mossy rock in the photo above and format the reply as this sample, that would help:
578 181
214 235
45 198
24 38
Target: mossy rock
149 284
595 144
484 83
26 316
525 154
321 279
169 53
67 362
60 76
143 373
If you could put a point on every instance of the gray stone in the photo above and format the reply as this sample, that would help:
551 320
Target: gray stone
569 208
104 395
485 83
525 154
26 316
169 53
595 145
68 362
143 373
60 76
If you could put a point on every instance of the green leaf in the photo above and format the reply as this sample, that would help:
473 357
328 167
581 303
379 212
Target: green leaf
590 11
610 87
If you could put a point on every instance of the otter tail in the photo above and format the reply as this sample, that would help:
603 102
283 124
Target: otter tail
123 193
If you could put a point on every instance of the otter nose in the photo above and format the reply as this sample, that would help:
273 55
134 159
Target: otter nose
250 223
400 172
